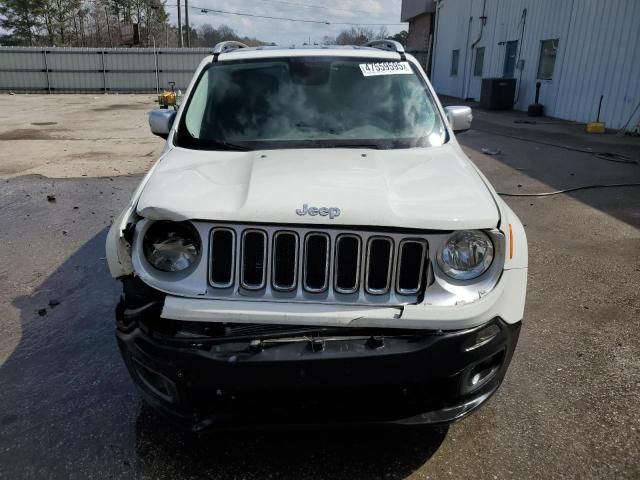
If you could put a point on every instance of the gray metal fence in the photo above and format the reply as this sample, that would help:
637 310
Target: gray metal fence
76 70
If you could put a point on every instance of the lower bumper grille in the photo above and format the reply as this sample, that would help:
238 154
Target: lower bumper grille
305 264
384 381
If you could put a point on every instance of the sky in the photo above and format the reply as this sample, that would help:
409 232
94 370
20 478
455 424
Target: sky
286 32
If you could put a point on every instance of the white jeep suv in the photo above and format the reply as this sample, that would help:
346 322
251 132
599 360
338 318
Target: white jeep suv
313 246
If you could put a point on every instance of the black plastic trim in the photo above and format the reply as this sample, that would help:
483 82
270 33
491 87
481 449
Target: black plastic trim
221 375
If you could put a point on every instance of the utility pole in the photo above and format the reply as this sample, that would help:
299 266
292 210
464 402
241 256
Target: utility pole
81 18
186 21
106 17
180 42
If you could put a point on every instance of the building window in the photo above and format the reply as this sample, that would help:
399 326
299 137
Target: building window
455 56
477 66
548 52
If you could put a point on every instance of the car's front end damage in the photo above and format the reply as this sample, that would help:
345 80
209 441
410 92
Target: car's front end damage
317 285
204 374
220 345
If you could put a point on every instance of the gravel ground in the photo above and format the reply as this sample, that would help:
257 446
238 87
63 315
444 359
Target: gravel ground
568 407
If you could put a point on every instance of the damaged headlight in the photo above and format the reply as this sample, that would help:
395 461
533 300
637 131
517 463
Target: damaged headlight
466 255
171 246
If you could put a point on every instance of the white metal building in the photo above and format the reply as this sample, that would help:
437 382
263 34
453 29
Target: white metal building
578 49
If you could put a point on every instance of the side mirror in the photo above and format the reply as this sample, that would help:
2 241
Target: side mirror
459 118
161 121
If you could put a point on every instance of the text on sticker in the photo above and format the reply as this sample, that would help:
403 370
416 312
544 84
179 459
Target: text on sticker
385 68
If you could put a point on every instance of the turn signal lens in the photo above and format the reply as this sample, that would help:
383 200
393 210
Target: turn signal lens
510 241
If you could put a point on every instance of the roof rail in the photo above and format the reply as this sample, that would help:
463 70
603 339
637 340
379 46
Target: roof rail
226 47
390 45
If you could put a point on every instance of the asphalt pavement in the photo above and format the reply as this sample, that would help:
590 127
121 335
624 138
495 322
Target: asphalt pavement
569 406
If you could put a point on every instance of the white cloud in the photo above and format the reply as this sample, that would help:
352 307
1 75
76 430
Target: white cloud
285 31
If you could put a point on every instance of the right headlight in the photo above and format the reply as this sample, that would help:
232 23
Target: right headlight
466 254
171 246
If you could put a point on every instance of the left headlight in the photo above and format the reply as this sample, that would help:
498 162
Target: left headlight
171 246
466 255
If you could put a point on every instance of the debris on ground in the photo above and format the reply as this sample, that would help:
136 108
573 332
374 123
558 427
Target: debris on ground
51 198
491 151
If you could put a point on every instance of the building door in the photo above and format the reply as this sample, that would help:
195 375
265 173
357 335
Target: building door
510 54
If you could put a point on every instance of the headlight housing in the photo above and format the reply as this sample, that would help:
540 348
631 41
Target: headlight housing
466 255
171 246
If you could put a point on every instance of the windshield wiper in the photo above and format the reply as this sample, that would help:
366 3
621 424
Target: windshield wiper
222 145
207 144
184 135
374 146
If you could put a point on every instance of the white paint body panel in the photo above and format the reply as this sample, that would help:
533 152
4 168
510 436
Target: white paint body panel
429 188
436 188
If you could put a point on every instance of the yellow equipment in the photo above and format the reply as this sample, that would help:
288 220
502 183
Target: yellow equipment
168 98
597 126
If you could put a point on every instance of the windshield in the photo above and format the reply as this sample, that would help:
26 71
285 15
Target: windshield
310 102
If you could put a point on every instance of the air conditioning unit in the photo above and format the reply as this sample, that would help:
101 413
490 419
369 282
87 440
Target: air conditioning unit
497 93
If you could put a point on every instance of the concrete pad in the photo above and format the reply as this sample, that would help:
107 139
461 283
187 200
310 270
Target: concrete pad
65 136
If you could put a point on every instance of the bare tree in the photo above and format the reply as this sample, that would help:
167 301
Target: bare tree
359 36
208 36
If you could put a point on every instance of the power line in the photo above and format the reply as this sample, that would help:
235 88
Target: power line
289 19
224 12
244 14
306 5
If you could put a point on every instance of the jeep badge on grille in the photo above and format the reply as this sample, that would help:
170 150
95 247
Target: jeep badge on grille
331 212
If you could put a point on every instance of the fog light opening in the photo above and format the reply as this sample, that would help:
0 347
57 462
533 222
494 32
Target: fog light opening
484 371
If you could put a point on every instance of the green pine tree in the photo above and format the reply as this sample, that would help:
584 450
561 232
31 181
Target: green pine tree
24 19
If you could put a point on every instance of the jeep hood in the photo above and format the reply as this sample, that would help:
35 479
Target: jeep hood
427 188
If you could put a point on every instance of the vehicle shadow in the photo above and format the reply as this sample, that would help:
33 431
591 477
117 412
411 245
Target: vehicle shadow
69 408
335 453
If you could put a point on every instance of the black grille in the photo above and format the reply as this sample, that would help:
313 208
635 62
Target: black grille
379 264
304 264
347 266
411 266
316 262
222 261
285 261
254 249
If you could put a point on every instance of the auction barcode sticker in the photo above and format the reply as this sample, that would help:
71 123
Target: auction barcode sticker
385 68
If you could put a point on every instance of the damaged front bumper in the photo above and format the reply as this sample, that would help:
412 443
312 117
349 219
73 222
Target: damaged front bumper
206 374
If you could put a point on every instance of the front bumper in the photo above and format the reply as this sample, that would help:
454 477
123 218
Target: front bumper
204 374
